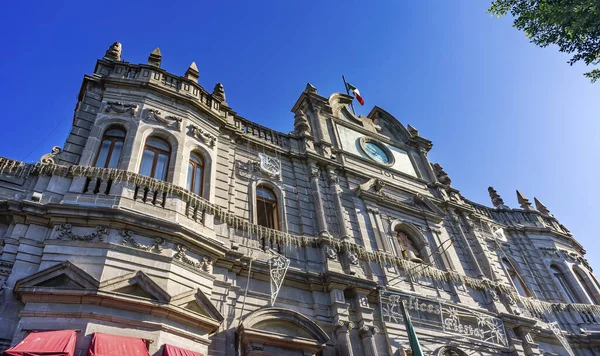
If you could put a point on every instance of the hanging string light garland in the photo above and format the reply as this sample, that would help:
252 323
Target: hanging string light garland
23 170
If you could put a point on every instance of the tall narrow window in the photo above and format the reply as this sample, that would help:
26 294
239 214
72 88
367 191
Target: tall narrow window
110 148
588 291
564 286
195 176
407 247
155 161
514 277
266 208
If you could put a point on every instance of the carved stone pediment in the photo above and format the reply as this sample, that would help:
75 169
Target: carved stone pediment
202 135
136 284
170 122
198 302
376 190
63 275
121 108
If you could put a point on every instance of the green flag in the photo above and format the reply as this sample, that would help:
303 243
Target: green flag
412 335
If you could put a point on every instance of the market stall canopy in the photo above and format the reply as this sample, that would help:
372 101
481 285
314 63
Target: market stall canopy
115 345
45 343
171 350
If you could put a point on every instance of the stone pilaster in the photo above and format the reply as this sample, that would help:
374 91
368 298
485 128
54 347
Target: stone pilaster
315 173
334 184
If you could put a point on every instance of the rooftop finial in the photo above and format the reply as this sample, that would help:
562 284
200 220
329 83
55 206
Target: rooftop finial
524 202
219 92
192 72
310 88
114 52
497 201
155 57
541 207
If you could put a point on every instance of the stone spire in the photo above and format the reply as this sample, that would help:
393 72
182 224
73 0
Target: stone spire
496 199
219 93
310 89
155 57
192 72
114 52
301 124
524 202
541 207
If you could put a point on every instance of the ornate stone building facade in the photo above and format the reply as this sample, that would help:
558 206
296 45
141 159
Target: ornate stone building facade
167 216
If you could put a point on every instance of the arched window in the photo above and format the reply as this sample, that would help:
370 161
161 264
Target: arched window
564 285
266 208
514 277
588 291
195 178
408 249
155 161
110 148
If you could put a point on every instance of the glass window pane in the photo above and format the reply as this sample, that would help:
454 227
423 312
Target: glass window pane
198 181
115 133
115 155
588 291
146 166
196 159
160 172
102 155
265 193
190 176
158 143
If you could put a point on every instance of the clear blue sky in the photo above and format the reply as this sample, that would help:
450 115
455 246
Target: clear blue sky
499 110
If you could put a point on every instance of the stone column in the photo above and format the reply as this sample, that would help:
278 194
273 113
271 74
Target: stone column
368 340
378 230
315 173
334 184
343 343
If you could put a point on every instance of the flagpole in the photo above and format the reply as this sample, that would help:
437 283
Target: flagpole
348 92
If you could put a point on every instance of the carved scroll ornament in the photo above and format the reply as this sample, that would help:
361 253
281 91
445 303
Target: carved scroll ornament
202 135
121 108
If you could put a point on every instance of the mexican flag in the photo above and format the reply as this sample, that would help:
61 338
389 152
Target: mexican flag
356 93
410 330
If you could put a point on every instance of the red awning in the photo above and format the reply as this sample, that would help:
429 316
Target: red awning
171 350
45 343
115 345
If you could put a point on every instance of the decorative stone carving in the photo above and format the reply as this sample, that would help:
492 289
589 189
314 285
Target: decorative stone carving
524 202
65 231
441 175
412 130
497 201
363 301
301 124
331 253
352 258
50 158
114 52
171 122
219 92
158 244
202 135
270 166
203 264
121 108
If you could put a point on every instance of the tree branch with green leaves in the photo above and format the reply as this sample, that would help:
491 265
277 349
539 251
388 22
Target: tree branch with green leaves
572 25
